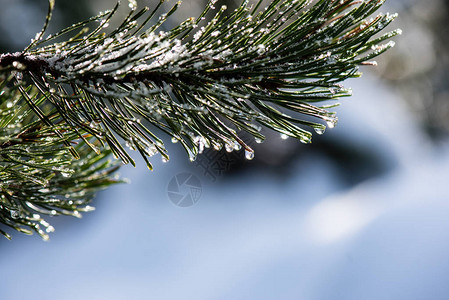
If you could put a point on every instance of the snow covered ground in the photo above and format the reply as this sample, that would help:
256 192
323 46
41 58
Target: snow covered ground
252 237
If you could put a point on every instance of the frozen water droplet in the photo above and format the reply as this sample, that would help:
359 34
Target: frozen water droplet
88 208
229 148
66 174
258 141
15 214
284 136
151 150
164 159
132 4
44 223
319 130
44 190
18 66
130 144
9 104
331 123
50 229
93 125
249 155
174 140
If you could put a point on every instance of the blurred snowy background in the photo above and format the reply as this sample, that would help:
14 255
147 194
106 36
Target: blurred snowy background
362 213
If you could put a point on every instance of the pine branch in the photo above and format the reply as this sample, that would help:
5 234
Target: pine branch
202 83
38 172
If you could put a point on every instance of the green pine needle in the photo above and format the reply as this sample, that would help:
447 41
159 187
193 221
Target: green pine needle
39 174
202 83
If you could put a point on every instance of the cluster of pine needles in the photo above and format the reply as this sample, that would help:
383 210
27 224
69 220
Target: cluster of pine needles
70 100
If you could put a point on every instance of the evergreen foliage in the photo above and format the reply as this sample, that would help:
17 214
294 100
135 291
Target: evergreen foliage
70 99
